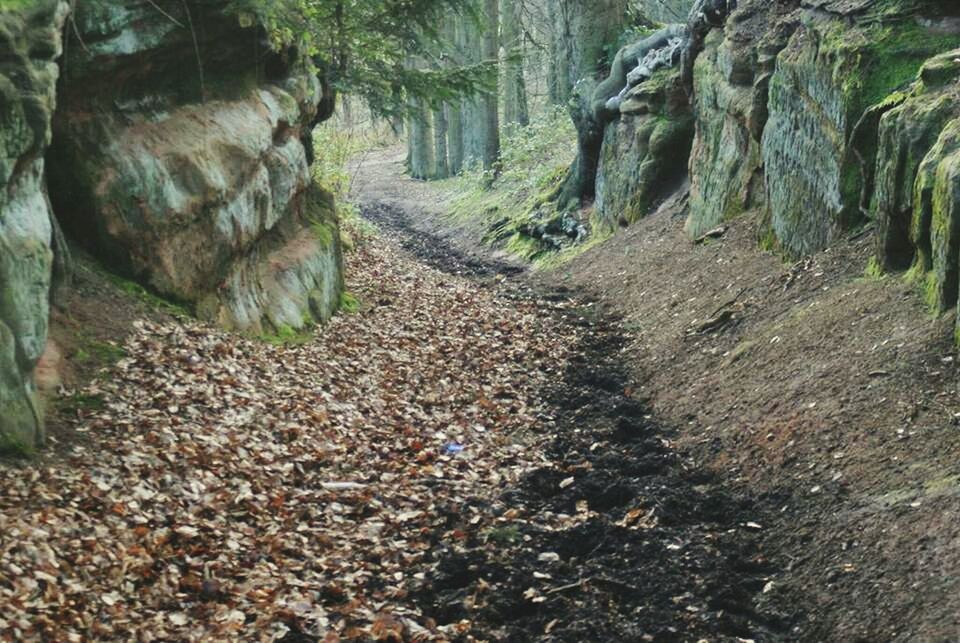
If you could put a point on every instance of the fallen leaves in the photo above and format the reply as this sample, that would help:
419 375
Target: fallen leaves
235 489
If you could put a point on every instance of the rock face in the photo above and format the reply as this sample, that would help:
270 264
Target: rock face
818 147
731 81
178 159
917 199
30 40
815 117
789 100
645 150
666 11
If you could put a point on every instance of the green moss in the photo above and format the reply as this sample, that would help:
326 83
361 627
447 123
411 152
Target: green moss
150 299
288 336
323 232
524 247
927 285
349 303
931 292
874 269
93 352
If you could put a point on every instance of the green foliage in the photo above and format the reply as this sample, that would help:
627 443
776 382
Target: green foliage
335 146
363 47
349 303
519 192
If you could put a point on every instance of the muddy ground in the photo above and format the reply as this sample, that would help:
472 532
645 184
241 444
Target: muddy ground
654 549
794 424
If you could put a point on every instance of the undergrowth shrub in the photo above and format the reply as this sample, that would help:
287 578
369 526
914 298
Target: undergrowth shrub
336 146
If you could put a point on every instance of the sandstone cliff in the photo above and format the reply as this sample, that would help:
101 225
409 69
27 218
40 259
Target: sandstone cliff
180 162
815 118
178 157
30 34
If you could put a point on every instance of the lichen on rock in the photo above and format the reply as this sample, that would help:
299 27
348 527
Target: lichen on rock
30 38
185 168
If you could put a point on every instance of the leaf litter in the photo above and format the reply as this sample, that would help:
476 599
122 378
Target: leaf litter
233 489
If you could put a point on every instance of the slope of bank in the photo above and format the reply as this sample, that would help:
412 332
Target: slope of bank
830 393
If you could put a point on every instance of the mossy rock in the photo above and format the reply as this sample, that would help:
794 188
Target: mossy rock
827 78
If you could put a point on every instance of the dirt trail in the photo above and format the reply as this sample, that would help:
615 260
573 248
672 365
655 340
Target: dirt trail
617 536
814 407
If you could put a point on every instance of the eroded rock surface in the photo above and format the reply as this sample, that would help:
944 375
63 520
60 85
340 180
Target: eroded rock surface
645 150
731 83
178 159
30 38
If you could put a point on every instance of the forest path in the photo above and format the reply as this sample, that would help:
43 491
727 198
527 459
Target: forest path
613 535
462 456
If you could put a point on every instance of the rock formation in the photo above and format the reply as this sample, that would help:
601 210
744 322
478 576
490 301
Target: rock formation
178 159
30 38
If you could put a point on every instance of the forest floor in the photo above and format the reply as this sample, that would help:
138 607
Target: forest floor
656 441
822 398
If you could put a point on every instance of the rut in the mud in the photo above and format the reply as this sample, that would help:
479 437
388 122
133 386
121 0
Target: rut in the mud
430 248
652 548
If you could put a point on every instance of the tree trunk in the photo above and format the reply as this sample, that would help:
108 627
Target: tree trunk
441 169
454 110
582 32
490 103
454 138
472 106
515 110
420 146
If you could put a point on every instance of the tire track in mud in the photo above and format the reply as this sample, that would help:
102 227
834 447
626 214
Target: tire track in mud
654 549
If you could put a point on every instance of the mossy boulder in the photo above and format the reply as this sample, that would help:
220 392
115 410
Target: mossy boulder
187 171
30 39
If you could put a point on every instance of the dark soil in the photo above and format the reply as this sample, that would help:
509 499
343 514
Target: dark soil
431 248
832 395
620 537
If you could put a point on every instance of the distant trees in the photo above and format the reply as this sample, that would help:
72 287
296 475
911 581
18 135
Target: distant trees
549 52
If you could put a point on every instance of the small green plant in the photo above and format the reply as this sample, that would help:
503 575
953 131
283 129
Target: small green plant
768 241
504 535
349 303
